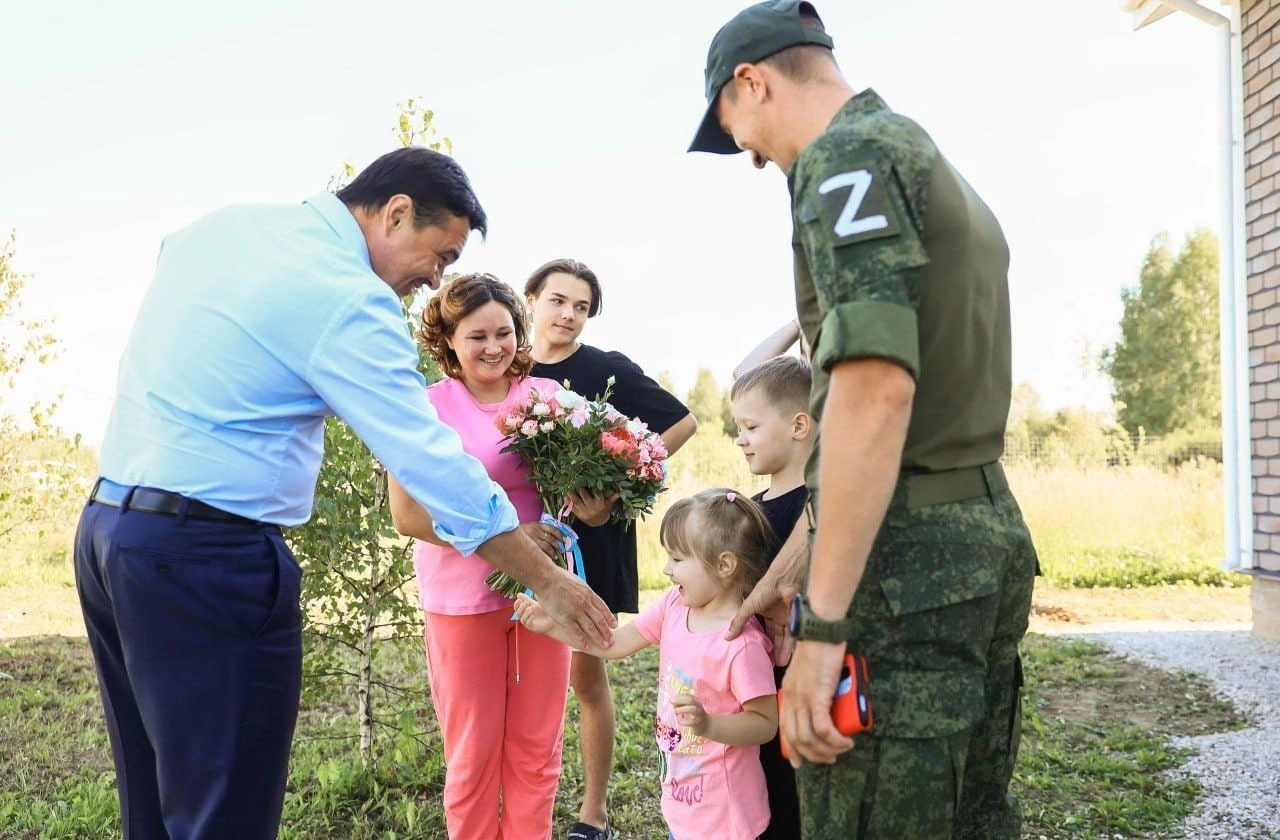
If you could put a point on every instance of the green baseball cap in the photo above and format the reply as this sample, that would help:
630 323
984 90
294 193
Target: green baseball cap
754 34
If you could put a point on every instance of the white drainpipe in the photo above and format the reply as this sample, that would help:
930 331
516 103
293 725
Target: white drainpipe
1233 302
1237 456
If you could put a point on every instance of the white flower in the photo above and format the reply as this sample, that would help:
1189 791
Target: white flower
637 428
547 425
540 410
569 400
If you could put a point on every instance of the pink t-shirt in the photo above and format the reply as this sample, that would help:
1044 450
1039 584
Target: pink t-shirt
448 582
709 789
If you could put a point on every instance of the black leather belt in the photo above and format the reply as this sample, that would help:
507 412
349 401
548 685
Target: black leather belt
938 488
150 500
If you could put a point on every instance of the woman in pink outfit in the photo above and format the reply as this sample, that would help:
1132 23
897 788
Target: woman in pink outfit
499 690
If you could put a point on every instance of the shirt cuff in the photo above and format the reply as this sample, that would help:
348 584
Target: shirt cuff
502 518
869 329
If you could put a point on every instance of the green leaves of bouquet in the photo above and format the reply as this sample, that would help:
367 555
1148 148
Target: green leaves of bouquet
570 443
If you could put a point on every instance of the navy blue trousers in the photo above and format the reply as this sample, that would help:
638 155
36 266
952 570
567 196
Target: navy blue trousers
196 633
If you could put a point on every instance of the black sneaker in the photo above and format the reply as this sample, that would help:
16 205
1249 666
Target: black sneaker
586 831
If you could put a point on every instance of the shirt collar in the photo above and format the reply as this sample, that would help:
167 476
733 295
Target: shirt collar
861 105
339 218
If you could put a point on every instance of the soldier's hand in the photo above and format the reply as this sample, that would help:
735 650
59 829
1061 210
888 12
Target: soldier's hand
772 595
807 691
783 643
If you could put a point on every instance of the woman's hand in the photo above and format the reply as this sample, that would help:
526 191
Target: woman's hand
548 538
591 508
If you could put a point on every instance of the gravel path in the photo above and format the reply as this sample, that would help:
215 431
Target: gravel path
1239 771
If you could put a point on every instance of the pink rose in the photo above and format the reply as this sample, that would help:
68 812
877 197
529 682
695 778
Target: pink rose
612 444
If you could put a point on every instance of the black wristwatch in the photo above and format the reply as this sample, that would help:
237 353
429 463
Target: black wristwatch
806 626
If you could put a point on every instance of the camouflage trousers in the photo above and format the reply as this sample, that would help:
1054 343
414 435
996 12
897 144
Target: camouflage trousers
939 613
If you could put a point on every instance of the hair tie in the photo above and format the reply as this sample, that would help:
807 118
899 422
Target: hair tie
731 495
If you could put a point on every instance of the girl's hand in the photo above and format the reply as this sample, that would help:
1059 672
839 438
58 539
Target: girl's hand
689 712
532 615
548 537
591 508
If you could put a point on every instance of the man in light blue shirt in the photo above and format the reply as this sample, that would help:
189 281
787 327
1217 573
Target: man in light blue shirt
262 321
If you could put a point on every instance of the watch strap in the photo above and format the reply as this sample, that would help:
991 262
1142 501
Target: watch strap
812 627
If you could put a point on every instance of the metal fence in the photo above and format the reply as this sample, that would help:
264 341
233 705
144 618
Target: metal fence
1112 450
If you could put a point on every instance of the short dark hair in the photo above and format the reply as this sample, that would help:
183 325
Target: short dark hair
436 183
533 286
459 298
784 380
797 62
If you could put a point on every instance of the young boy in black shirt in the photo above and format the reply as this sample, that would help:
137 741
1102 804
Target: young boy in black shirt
770 403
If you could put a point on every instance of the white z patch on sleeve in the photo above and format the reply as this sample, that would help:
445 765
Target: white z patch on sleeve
847 223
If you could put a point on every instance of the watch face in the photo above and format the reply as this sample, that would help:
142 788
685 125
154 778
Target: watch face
794 624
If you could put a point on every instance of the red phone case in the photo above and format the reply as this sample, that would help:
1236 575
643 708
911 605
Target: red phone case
850 708
851 711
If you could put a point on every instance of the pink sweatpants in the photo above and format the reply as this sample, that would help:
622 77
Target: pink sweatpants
500 694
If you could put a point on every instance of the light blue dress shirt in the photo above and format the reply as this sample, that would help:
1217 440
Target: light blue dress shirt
261 321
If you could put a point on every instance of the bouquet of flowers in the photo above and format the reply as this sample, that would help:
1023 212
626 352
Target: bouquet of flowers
571 443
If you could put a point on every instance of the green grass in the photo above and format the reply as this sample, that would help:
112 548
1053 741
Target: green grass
56 760
1126 526
1095 759
1090 567
54 753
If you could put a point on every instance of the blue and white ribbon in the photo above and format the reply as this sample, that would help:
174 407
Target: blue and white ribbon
573 552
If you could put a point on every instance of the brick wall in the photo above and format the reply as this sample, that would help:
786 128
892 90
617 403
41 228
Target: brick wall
1260 43
1260 46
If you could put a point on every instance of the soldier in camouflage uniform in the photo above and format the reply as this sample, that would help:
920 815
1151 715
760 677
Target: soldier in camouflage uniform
919 557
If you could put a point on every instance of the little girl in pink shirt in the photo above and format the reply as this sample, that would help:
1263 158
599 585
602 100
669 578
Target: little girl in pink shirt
716 699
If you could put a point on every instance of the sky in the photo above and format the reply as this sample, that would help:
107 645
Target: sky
122 122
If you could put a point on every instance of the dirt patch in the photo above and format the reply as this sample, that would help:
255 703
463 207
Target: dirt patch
1104 692
1051 612
41 609
1057 610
